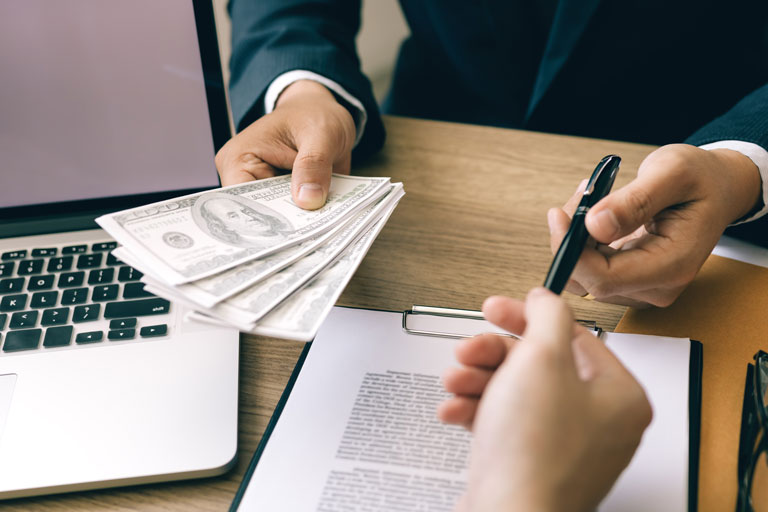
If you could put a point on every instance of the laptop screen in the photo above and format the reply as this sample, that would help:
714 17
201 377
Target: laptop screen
101 99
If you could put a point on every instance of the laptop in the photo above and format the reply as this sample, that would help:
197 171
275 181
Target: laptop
104 106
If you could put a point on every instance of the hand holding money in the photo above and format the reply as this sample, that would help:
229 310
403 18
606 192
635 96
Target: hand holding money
308 132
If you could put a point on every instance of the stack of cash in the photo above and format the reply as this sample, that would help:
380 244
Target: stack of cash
248 257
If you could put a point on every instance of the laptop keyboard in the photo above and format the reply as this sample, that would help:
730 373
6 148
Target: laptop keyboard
74 295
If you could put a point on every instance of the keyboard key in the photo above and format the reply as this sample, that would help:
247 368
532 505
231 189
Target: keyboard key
41 282
123 323
87 313
44 299
152 331
135 291
89 261
112 261
74 249
11 285
28 339
15 303
29 267
14 255
61 264
56 316
71 279
23 320
6 269
103 246
132 308
58 336
89 337
121 334
3 319
128 274
104 293
101 276
74 296
44 253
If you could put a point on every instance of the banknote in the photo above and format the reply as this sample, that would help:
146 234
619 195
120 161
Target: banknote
252 304
199 235
300 315
209 291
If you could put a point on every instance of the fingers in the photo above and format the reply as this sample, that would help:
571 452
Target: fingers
654 270
483 351
593 359
308 132
570 206
458 410
660 184
558 222
466 381
242 168
312 171
549 324
509 314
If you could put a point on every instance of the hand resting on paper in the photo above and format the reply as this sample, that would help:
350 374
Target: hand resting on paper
309 132
662 226
556 417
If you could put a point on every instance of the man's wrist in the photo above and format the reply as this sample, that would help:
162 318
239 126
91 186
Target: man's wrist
304 89
745 182
759 156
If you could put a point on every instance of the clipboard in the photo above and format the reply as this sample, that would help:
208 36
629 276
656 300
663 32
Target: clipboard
409 325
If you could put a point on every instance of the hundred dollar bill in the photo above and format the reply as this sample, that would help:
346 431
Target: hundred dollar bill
252 304
288 264
299 317
199 235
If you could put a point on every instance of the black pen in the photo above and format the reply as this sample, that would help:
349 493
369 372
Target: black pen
573 244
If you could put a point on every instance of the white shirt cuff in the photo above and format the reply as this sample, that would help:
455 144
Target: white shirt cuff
759 156
279 84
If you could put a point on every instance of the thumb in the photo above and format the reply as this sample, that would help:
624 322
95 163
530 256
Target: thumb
312 172
622 212
549 323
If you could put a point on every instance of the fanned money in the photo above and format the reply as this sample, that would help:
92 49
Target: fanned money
248 257
199 235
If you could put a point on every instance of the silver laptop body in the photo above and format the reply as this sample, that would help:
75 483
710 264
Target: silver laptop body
103 106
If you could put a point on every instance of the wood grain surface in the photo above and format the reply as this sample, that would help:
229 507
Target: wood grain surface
472 224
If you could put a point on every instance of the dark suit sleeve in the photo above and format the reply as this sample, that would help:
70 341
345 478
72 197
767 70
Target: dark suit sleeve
748 122
272 37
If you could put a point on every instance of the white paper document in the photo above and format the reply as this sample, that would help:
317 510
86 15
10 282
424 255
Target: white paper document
359 429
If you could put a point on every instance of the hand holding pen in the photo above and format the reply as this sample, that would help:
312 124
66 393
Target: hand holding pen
656 232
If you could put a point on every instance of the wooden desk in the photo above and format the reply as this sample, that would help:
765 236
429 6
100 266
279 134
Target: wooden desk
472 223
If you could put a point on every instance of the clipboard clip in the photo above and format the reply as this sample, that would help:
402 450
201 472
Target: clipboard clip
463 314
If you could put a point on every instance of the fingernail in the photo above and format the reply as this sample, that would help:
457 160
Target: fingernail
607 223
311 195
539 291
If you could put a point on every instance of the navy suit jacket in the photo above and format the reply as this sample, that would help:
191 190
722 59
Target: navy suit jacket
652 71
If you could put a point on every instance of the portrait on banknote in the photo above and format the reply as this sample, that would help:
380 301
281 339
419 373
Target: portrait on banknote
239 221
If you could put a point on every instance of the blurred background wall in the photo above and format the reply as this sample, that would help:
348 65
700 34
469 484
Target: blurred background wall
383 29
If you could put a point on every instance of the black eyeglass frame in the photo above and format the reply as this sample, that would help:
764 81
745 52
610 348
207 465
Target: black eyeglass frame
758 447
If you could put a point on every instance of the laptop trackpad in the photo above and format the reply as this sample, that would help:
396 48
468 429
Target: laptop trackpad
7 383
